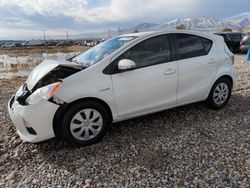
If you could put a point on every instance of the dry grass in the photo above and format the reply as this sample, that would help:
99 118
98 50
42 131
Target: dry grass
30 51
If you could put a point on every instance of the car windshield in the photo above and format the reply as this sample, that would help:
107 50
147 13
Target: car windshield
102 50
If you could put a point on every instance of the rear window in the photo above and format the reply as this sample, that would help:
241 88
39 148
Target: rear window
192 45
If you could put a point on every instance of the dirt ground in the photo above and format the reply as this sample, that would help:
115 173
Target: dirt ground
190 146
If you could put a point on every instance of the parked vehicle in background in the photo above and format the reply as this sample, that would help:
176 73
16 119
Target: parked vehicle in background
122 78
18 44
245 43
11 45
7 45
50 43
232 40
33 43
65 43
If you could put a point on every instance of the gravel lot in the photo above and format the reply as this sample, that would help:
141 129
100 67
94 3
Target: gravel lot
190 146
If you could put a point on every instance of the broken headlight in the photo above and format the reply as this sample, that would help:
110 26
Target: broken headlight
45 92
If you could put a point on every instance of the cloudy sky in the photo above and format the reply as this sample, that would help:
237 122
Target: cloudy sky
27 18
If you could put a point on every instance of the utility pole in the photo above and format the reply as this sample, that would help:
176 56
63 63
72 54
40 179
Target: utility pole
109 34
67 35
119 30
44 35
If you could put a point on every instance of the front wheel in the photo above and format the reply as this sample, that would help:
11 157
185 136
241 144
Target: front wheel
85 123
220 94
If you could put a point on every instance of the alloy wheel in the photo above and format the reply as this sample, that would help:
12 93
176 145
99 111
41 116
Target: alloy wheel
86 124
220 93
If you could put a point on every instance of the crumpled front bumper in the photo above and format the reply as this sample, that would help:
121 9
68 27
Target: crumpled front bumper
34 123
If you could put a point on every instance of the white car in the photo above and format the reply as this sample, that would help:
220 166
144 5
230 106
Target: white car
8 45
122 78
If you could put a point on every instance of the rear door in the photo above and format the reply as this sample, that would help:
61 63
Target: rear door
197 66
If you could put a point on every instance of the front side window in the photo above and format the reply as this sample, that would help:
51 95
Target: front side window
192 45
152 51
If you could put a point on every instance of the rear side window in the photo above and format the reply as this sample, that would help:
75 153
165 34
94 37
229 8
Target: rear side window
207 45
192 45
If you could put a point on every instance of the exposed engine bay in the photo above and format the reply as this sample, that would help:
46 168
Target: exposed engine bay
57 74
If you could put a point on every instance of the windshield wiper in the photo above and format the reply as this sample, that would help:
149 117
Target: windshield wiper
82 64
75 61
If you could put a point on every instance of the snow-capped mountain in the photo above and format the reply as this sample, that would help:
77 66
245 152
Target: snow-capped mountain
239 21
202 23
171 23
146 26
195 23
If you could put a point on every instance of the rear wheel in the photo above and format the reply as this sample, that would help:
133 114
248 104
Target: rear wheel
85 123
220 93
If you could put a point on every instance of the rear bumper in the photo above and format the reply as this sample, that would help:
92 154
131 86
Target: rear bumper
34 123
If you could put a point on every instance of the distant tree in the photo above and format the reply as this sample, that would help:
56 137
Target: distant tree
136 31
181 27
227 30
241 30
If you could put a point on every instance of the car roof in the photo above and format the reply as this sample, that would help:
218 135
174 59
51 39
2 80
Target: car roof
152 33
137 34
225 33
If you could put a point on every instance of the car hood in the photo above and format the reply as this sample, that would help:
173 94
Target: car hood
44 68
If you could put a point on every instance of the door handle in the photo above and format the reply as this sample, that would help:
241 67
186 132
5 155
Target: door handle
170 72
211 61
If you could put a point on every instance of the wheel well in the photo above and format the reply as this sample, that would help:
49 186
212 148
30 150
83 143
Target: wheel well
229 78
63 108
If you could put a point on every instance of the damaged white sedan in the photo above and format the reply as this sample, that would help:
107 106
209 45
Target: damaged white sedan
121 78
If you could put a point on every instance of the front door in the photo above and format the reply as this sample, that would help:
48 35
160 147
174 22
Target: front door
152 84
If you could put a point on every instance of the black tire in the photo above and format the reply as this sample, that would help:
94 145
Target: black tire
72 111
211 101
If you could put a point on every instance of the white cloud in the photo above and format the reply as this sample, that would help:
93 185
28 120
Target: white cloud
118 10
77 15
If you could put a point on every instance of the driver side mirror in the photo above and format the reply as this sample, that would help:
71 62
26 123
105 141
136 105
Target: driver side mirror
126 64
